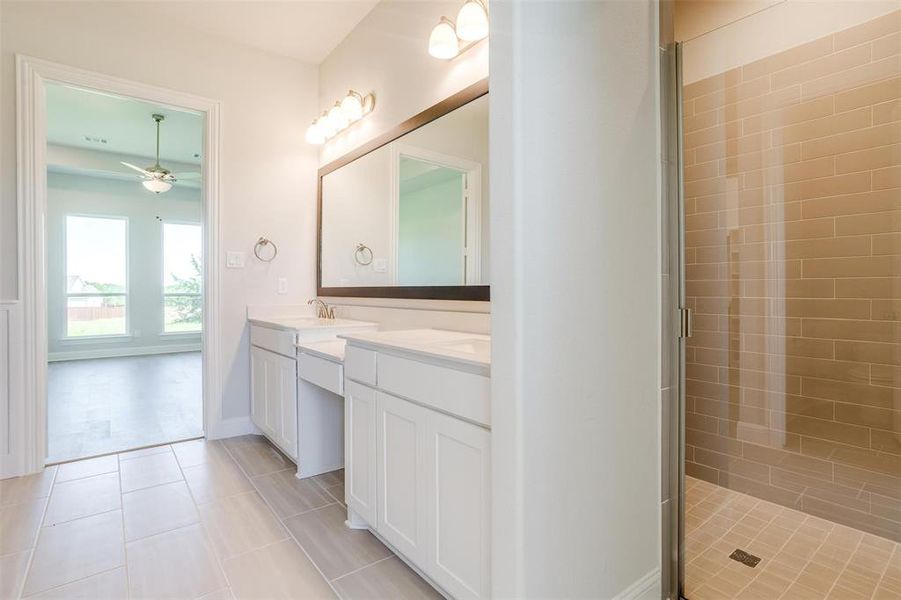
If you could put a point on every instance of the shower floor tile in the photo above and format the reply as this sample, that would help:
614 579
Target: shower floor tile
800 556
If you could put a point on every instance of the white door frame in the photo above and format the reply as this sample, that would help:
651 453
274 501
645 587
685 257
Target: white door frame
32 75
472 208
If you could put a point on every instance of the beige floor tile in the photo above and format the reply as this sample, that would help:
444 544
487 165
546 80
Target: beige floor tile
76 549
176 564
163 449
330 479
337 492
20 489
334 548
289 495
12 573
104 586
19 524
390 578
223 594
213 480
149 470
241 523
154 510
257 456
87 468
83 498
197 452
278 571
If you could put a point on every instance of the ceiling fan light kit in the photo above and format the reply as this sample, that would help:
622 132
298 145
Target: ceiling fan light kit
345 112
157 178
449 39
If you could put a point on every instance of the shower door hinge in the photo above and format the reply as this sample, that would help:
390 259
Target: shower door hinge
685 323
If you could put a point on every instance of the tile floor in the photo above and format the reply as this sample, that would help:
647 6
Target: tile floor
108 405
802 557
198 519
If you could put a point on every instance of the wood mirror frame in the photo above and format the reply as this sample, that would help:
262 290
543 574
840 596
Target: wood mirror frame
430 292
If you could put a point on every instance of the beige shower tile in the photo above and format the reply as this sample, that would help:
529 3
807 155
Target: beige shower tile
869 30
176 564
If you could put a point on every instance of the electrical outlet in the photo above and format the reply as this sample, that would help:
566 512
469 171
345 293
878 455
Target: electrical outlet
282 285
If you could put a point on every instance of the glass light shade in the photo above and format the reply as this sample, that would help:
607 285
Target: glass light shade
157 186
443 42
315 135
352 106
325 126
472 22
337 118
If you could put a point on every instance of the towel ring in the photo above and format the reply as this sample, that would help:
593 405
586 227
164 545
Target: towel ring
262 243
361 253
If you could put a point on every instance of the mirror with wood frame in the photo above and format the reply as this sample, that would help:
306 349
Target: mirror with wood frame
406 216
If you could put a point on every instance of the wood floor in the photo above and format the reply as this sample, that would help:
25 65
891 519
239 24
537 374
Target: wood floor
198 519
106 405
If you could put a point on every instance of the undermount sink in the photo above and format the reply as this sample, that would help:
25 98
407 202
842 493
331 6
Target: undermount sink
471 346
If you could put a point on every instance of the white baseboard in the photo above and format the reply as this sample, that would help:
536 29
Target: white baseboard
118 352
646 588
233 427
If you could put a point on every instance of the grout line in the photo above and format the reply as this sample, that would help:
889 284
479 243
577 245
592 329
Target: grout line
348 574
280 521
37 536
845 566
888 564
124 540
56 587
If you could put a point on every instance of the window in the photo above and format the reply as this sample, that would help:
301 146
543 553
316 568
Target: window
182 278
96 276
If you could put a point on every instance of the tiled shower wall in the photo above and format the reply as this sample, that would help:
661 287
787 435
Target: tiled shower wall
793 269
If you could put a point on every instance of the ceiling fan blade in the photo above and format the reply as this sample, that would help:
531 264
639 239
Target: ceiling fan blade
138 169
187 175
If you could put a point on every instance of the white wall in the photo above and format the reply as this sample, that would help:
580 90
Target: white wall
725 37
82 195
387 53
268 181
575 299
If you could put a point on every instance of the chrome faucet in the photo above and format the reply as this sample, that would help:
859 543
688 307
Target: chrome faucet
323 310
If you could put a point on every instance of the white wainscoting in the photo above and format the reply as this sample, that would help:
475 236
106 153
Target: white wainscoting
11 425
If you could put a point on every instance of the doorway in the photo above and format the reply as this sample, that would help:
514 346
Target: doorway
791 424
118 227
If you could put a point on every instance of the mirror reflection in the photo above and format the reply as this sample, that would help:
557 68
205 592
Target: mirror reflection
413 212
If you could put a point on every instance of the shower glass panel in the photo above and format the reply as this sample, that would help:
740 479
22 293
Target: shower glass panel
792 269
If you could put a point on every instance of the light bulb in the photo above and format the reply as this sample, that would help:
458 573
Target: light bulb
325 126
472 22
315 135
352 106
157 186
443 42
337 118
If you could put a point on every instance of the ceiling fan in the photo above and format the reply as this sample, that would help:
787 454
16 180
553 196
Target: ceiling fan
157 178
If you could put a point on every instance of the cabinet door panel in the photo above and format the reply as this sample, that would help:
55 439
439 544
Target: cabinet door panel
273 396
360 450
258 387
459 506
401 440
287 393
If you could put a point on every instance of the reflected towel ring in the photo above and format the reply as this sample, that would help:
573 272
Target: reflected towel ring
360 254
262 243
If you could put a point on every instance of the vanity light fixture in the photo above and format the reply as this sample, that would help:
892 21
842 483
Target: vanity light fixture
347 111
448 39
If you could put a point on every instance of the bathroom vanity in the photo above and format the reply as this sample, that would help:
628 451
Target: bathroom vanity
304 421
417 450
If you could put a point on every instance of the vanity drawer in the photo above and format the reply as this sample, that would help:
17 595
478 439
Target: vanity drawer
324 373
360 365
458 393
274 340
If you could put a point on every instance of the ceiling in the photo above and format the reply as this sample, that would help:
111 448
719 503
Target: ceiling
125 124
306 30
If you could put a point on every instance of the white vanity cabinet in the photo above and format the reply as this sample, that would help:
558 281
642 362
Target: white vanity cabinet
273 404
417 462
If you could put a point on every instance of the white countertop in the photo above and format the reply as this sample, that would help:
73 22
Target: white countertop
471 349
332 350
306 323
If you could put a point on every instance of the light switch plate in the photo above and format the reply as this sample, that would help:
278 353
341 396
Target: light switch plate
234 260
380 265
282 285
